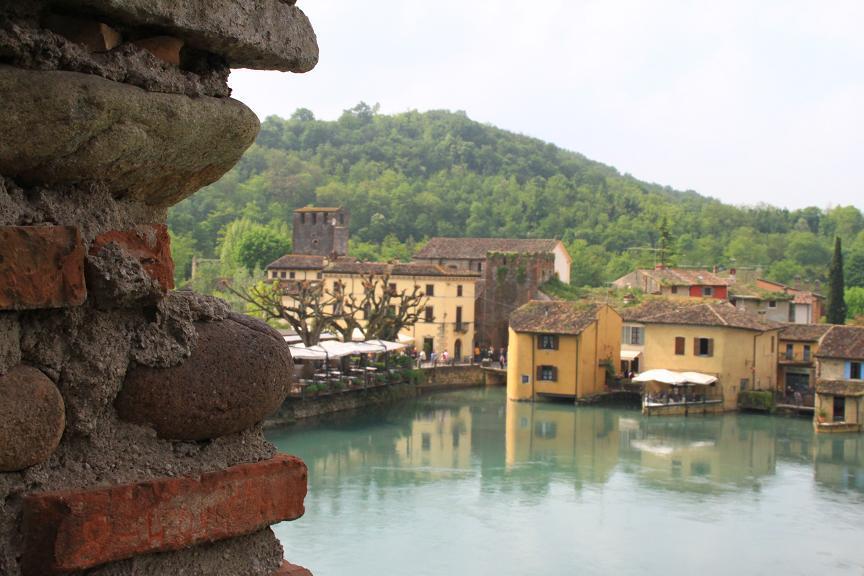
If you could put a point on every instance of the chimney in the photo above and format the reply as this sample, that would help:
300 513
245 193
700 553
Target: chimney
660 266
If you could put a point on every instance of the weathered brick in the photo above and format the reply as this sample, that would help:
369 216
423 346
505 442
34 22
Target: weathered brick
41 267
288 569
149 243
75 530
166 48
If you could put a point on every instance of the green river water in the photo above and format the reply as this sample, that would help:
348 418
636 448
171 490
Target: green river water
468 483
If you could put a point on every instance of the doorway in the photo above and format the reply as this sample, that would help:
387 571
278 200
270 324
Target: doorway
839 408
457 351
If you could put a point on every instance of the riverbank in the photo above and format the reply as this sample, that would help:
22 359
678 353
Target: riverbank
432 380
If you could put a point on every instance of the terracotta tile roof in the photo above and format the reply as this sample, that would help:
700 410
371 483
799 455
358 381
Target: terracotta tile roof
554 317
840 387
804 332
695 313
350 266
317 209
476 248
298 262
687 277
842 342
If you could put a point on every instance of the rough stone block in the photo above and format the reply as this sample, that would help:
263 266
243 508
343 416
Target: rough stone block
150 244
76 530
71 128
238 373
32 418
258 34
41 267
166 48
288 569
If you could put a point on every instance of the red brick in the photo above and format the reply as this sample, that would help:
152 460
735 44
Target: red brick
150 244
75 530
41 267
288 569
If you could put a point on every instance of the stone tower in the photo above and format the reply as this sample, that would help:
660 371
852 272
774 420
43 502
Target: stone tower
130 413
320 231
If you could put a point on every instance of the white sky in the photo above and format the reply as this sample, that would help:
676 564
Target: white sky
744 100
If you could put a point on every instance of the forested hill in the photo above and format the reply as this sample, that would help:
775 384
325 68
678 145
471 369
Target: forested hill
414 175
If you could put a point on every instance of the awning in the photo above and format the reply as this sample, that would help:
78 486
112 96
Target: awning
630 354
675 378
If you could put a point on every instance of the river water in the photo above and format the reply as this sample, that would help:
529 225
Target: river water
467 483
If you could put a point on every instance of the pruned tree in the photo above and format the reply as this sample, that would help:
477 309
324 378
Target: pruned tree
309 309
380 311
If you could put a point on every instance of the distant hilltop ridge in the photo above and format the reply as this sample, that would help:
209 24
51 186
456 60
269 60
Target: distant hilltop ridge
416 175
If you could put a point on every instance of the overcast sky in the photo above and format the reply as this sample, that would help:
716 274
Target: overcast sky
744 100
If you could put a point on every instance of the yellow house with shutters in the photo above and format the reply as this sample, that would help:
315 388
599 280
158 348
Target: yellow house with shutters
560 349
711 337
447 321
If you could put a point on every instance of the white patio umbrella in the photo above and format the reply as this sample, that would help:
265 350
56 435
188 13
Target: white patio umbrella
675 378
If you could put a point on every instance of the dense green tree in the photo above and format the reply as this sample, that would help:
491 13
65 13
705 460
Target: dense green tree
260 246
418 175
855 303
836 292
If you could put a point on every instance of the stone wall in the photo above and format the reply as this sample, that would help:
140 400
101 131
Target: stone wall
294 409
510 280
451 377
130 414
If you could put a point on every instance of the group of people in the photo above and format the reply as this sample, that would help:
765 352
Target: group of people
481 354
423 357
674 396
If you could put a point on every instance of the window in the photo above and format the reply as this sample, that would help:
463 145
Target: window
772 344
839 408
707 291
526 379
319 275
742 385
302 218
546 429
547 342
429 315
633 335
282 274
855 370
547 373
679 345
806 352
703 347
430 289
791 317
674 289
790 352
341 219
458 290
479 266
392 286
291 275
772 303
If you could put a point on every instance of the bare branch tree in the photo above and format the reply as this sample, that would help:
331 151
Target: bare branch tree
308 309
380 311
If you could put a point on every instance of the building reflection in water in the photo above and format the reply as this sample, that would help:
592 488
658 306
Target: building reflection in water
528 447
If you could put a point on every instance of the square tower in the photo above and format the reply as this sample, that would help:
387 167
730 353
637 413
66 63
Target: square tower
321 231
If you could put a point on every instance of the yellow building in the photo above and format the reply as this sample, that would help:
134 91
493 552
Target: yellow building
796 370
440 440
447 321
561 349
840 380
707 336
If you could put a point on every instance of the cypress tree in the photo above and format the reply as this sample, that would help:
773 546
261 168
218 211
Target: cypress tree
836 301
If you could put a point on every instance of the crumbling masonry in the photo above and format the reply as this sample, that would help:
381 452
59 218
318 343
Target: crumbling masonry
130 439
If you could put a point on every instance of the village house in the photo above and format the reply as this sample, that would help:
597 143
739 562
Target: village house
840 380
320 239
512 272
446 321
796 361
705 336
778 302
560 349
676 282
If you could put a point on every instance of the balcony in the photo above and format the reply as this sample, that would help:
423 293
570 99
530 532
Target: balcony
462 327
